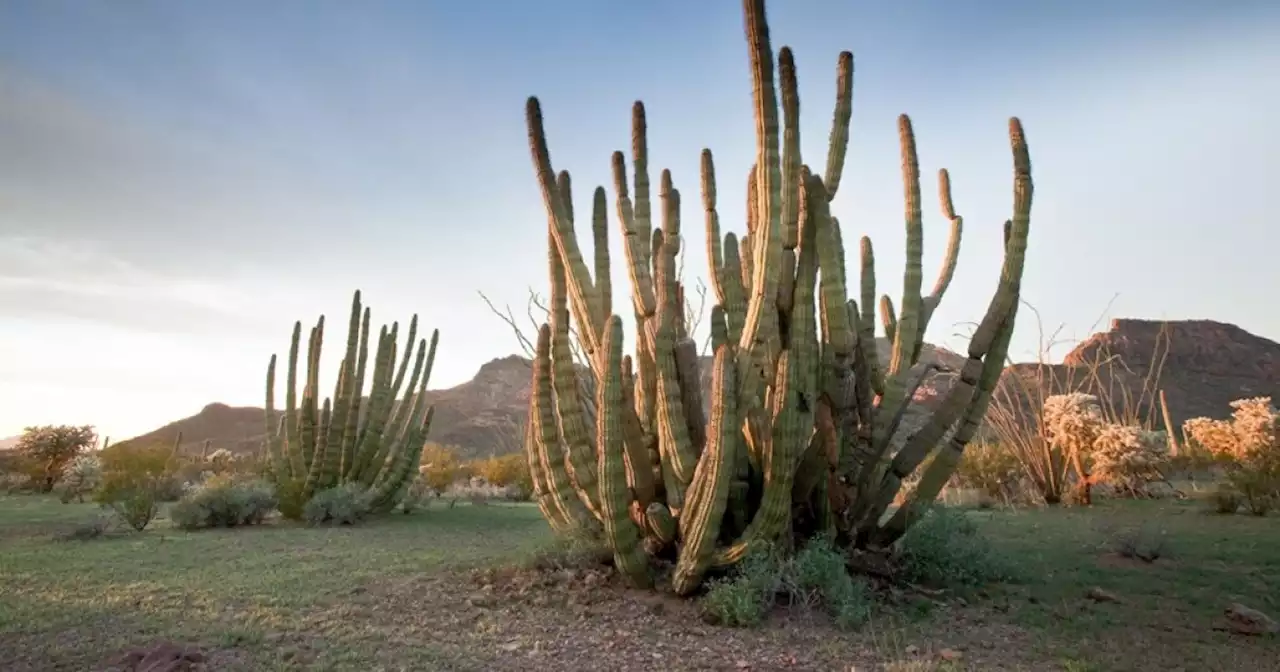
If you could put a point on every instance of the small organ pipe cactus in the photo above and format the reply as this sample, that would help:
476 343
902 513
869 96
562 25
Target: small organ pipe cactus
373 442
801 412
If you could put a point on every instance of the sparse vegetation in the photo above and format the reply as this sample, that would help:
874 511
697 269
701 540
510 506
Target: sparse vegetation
234 595
799 494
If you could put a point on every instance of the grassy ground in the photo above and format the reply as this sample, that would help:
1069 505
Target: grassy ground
397 595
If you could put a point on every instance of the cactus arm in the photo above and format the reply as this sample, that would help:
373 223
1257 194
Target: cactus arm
355 404
867 319
904 338
838 144
547 433
620 532
699 523
779 464
346 378
579 285
600 245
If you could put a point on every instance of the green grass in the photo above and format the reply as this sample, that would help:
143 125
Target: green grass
383 595
226 586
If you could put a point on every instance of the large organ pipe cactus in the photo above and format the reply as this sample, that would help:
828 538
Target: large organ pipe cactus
374 442
802 414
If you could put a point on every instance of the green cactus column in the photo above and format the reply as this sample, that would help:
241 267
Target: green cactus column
374 440
803 416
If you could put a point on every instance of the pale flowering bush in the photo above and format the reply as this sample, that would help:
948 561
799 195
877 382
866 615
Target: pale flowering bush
1073 421
220 458
480 491
1129 459
1247 446
80 476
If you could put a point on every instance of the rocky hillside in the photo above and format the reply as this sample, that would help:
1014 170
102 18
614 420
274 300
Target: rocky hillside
1205 365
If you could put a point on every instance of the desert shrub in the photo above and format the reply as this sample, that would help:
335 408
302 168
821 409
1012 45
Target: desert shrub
1225 499
1129 459
990 468
1072 423
815 577
479 491
416 495
441 466
818 575
1143 542
291 498
345 504
1246 447
506 471
745 597
133 480
944 548
222 501
80 477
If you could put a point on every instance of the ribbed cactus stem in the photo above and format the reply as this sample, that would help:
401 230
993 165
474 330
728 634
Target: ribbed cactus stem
343 440
803 415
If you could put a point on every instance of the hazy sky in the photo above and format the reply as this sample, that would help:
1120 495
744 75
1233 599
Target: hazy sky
179 182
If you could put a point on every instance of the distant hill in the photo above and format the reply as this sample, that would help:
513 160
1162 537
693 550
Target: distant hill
9 443
1207 365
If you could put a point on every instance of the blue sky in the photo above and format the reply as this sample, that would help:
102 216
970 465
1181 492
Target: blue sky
179 182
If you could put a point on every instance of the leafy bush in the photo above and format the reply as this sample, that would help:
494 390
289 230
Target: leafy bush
815 577
745 598
508 471
133 480
80 477
345 504
990 469
441 467
818 575
944 548
1226 499
222 501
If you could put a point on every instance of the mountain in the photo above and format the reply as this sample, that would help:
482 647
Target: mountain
9 443
1206 364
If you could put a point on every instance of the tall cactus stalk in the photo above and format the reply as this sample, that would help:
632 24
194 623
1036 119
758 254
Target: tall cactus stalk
799 439
375 441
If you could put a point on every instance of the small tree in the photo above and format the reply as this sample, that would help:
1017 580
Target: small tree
51 447
441 466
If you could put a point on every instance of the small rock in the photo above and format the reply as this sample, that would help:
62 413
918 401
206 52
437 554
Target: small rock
513 645
1246 621
950 655
743 665
912 649
1101 595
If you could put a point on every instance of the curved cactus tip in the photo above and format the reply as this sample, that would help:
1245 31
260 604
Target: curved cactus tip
944 194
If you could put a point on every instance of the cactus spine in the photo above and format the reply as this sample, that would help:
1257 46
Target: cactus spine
375 442
802 412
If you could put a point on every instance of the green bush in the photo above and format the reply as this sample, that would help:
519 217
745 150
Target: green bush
746 597
344 505
223 501
133 481
816 577
291 498
944 548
